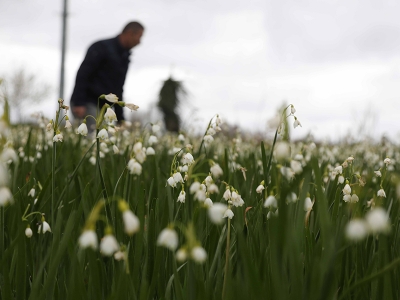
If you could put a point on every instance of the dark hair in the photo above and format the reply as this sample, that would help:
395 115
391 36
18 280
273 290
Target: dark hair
134 26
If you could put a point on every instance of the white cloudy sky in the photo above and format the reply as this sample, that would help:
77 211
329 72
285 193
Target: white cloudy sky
337 61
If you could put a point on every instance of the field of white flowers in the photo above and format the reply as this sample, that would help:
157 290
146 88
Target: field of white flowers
131 212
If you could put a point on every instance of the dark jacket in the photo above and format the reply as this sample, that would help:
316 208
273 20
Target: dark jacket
103 71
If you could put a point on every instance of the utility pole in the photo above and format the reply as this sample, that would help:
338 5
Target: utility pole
63 48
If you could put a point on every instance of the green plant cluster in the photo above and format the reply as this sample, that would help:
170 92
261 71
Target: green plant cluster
261 253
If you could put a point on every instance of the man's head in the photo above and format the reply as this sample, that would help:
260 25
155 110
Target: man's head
131 35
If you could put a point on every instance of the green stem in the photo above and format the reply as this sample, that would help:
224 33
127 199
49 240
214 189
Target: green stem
387 268
228 239
202 140
53 158
103 185
2 232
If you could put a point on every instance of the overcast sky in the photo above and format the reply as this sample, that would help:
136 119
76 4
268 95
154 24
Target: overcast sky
338 62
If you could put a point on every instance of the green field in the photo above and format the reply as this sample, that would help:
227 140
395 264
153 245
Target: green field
131 212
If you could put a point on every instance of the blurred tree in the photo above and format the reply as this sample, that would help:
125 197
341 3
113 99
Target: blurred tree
21 88
171 95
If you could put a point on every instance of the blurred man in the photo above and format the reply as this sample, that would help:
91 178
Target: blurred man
103 71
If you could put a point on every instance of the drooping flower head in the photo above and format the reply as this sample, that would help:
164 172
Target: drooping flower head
168 238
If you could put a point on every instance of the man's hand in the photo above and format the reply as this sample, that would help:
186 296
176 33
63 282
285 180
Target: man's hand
79 111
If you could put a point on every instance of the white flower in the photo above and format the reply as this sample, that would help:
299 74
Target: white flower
308 204
356 230
381 193
194 187
168 238
292 109
171 181
237 199
287 172
32 193
46 227
131 222
183 169
110 116
208 203
298 157
340 179
67 124
260 188
49 126
347 198
152 140
291 198
216 171
354 198
200 194
386 161
28 232
347 189
282 150
150 151
103 134
104 147
137 147
141 155
108 245
227 195
208 139
115 149
173 151
58 138
134 167
271 202
9 154
213 188
82 129
339 170
88 239
208 181
131 106
211 131
296 166
216 212
111 98
181 255
187 159
218 120
377 220
378 173
350 159
119 255
228 214
111 129
155 128
181 197
178 177
198 254
296 123
92 160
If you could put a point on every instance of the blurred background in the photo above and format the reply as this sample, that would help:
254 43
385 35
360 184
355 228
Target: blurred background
338 62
